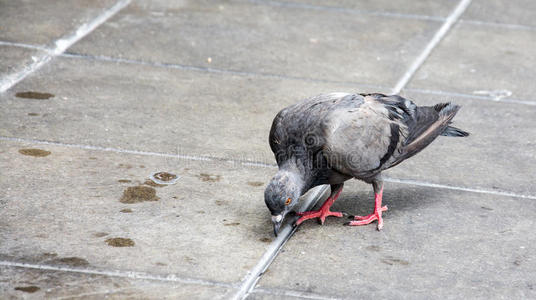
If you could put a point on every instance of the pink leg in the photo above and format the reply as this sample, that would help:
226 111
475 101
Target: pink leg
323 212
376 215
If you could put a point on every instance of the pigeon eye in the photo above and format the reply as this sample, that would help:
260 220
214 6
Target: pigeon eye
288 201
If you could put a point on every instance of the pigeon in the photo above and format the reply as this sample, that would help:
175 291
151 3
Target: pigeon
331 138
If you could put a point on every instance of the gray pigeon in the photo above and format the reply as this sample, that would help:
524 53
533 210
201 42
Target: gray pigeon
330 138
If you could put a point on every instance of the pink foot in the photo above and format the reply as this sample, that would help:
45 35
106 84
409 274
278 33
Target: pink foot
322 213
364 220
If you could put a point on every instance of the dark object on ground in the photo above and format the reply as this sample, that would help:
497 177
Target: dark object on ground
331 138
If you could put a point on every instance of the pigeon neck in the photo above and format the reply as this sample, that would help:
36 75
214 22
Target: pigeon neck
295 174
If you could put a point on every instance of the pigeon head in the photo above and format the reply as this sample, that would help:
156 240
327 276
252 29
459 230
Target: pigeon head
281 196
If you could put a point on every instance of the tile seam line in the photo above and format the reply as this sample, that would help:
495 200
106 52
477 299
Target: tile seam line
211 70
61 45
255 164
123 274
254 275
436 39
245 73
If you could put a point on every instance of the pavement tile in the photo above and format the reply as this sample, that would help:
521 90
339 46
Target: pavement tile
436 9
24 283
435 244
478 60
14 57
42 22
519 12
64 209
198 113
248 37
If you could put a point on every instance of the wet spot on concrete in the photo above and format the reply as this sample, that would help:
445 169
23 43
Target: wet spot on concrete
27 289
124 180
34 152
33 114
152 183
100 234
126 210
232 224
265 240
135 194
209 177
34 95
394 261
373 248
255 183
120 242
486 208
164 178
70 261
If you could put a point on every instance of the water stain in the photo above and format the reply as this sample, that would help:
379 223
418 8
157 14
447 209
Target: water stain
394 261
126 210
100 234
120 242
149 182
255 183
27 289
33 114
34 95
232 224
373 248
140 193
124 180
70 261
34 152
265 240
209 177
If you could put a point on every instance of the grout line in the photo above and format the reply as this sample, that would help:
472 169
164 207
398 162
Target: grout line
211 70
454 94
294 293
457 188
253 276
60 46
27 46
125 274
499 25
223 71
347 10
440 34
256 164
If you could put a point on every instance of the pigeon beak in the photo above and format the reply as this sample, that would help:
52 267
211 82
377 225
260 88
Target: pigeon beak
277 220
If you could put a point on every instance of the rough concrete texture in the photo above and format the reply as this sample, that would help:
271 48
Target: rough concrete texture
160 110
45 21
251 37
517 12
201 227
435 244
23 283
162 84
483 60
